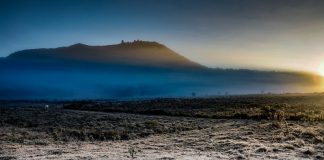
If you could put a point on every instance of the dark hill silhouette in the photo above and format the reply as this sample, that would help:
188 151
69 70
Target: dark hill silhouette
139 53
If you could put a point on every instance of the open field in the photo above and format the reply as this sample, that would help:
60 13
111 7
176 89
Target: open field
237 127
301 107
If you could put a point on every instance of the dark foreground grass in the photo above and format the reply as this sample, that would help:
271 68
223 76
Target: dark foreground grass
31 122
299 107
40 126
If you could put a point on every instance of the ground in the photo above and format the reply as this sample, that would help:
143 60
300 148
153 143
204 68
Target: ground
33 132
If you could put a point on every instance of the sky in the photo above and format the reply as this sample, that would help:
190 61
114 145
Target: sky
252 34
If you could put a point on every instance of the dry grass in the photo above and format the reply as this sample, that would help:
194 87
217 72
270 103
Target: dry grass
300 107
253 127
38 126
224 139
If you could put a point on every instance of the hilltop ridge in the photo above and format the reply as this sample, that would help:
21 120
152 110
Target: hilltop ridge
143 53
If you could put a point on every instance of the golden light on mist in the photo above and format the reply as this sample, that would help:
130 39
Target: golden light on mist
320 69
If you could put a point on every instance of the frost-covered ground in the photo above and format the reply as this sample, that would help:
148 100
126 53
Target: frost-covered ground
220 139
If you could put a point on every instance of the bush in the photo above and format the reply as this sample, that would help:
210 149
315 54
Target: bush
151 124
268 111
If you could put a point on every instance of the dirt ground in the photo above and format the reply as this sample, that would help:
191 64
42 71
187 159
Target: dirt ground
224 139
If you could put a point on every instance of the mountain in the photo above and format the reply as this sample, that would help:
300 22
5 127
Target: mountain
137 53
132 70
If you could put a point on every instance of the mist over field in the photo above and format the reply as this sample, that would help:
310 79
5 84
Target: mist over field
125 71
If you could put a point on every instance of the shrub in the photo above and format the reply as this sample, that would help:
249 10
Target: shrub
132 152
268 111
151 124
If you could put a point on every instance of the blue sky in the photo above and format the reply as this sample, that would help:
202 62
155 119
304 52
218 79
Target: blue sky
267 34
